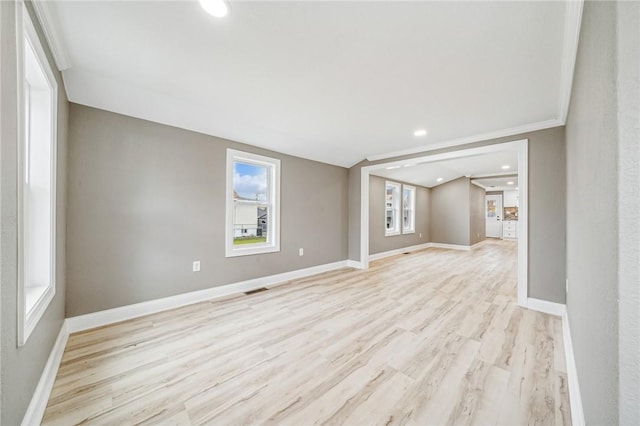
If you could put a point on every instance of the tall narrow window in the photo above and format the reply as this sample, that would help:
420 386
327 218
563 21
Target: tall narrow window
392 208
408 209
253 204
37 180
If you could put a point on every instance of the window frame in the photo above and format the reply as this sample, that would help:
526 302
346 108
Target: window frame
273 227
411 229
26 34
395 207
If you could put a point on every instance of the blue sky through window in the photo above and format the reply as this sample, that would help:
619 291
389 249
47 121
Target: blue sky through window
250 181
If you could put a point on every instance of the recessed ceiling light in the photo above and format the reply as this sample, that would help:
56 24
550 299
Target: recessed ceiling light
217 8
506 166
439 180
510 183
393 167
409 165
420 132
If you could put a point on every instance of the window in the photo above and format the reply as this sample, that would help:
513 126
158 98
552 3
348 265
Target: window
392 208
253 204
408 209
37 111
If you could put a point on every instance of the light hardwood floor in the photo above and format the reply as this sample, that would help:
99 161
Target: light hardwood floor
432 337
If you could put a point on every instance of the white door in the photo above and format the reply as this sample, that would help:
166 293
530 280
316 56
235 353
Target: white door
493 215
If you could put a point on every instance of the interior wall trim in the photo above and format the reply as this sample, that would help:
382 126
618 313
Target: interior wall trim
575 398
552 308
52 34
401 250
35 410
123 313
513 131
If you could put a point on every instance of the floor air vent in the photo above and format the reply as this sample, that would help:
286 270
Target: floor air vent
257 290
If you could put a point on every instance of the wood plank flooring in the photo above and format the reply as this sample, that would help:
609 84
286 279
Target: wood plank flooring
428 338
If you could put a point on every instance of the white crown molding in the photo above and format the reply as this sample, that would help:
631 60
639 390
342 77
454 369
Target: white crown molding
52 34
532 127
573 19
38 404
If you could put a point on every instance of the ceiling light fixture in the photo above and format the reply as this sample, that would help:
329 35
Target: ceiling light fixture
393 167
217 8
420 132
510 183
506 167
409 165
439 180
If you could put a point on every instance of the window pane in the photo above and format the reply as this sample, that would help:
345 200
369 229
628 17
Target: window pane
250 223
250 182
38 161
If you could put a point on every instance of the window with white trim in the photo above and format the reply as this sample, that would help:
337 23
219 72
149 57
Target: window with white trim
37 112
253 204
408 209
392 208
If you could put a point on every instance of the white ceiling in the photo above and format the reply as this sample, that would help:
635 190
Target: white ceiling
426 174
330 81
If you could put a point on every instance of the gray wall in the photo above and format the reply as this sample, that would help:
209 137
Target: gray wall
450 212
378 242
602 263
592 210
545 253
547 216
145 200
628 99
478 222
21 367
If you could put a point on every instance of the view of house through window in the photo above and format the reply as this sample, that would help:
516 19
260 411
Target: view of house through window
392 208
408 209
250 203
253 188
400 208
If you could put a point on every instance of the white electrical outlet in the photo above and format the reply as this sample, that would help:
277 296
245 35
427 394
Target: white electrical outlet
301 252
196 266
421 235
567 286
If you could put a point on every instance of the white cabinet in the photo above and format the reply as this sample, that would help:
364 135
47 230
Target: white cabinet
510 229
511 198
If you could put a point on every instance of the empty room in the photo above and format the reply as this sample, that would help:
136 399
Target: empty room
229 212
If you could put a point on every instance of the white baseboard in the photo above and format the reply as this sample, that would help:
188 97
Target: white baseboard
123 313
450 246
399 251
575 399
40 398
546 307
354 264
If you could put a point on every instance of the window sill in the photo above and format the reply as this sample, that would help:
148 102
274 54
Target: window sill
408 232
248 251
391 234
40 298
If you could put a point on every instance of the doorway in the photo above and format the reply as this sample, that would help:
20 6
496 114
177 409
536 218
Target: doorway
522 147
493 216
